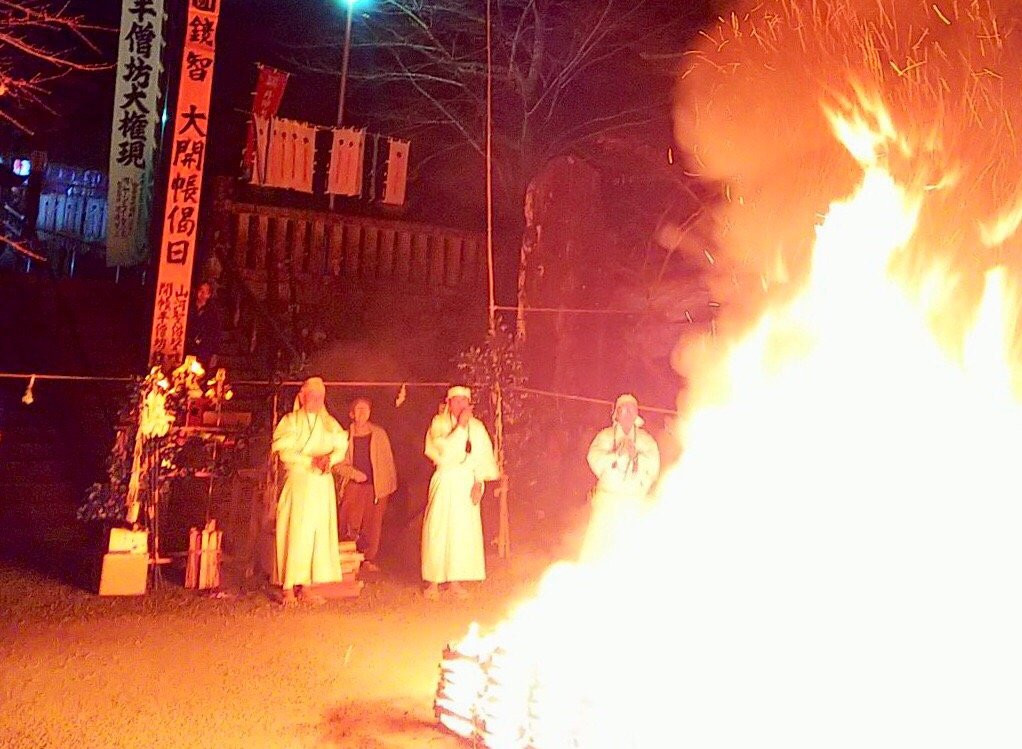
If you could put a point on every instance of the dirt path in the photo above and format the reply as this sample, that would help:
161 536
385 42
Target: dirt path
177 670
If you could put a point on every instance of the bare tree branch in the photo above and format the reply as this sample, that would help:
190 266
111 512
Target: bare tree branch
40 42
564 72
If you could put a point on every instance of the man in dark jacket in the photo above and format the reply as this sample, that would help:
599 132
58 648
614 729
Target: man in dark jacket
369 479
205 327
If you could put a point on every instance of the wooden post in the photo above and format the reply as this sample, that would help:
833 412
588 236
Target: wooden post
436 253
316 264
259 247
352 249
504 526
241 239
403 257
335 249
385 259
369 268
300 250
453 261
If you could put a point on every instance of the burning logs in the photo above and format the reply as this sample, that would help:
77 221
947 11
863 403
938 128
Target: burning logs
496 701
463 684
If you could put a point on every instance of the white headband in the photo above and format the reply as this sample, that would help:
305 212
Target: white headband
628 398
459 391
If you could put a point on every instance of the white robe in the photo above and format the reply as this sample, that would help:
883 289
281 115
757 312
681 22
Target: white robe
452 531
622 484
307 543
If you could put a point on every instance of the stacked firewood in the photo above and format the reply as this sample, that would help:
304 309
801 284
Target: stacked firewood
463 681
205 554
351 560
349 586
488 698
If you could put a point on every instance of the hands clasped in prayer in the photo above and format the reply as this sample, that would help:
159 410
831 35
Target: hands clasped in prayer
321 463
626 462
452 533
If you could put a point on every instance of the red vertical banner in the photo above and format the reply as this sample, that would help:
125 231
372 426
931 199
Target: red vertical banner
187 154
268 94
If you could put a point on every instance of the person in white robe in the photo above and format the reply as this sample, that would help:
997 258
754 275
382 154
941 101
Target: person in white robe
452 531
626 462
309 442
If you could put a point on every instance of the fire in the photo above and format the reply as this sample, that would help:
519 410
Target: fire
835 560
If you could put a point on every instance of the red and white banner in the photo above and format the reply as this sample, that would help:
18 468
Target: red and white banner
396 179
133 140
187 152
346 161
269 92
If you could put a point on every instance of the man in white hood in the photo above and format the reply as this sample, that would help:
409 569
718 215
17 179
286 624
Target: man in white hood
626 462
309 442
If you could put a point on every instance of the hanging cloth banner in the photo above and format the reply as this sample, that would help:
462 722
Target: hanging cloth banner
396 179
133 136
187 152
346 161
285 154
261 154
276 152
304 156
269 92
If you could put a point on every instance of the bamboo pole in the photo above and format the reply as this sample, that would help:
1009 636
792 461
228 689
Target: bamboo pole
504 528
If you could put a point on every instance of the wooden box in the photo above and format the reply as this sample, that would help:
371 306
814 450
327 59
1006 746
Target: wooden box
128 541
124 574
349 588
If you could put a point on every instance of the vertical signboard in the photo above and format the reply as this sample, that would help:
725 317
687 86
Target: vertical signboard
186 152
133 137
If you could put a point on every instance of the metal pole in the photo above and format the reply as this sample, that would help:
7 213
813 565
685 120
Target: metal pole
344 78
489 166
504 529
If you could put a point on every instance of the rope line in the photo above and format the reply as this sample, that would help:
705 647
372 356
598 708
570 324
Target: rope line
571 310
335 383
330 383
589 311
598 401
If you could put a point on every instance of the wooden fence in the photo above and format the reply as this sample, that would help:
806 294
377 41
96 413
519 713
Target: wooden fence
269 241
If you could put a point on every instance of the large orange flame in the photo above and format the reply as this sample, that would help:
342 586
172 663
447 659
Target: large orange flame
835 560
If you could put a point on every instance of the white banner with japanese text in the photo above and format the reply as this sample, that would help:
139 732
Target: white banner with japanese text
347 150
186 152
396 180
133 137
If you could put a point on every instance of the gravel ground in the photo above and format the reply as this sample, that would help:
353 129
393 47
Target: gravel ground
180 669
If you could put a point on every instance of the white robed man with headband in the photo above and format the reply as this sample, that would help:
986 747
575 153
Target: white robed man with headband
309 442
452 531
626 462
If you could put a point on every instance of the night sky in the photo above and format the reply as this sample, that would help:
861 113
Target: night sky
79 133
254 31
251 31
